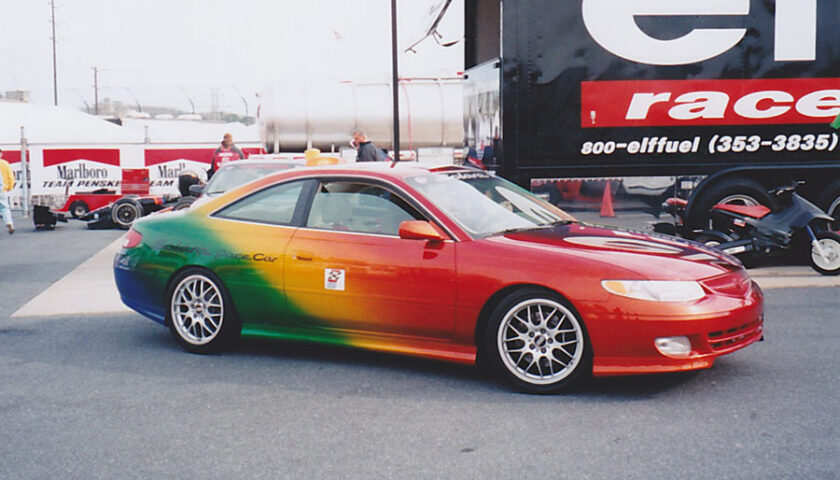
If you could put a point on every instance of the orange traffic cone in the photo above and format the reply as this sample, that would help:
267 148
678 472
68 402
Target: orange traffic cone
606 202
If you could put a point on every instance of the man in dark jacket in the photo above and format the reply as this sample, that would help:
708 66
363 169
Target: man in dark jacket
366 151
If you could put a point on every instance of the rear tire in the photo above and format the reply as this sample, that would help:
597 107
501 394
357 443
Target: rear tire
183 203
738 191
830 263
200 312
537 342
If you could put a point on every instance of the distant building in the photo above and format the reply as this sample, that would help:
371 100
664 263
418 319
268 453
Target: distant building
17 96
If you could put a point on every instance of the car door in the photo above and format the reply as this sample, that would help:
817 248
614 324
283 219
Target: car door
253 233
348 269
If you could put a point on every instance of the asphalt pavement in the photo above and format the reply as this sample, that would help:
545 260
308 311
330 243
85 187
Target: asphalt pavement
31 260
111 395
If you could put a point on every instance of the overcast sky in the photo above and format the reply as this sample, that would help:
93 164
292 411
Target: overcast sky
169 52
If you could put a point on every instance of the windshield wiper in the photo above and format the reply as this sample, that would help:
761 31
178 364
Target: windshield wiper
533 227
559 223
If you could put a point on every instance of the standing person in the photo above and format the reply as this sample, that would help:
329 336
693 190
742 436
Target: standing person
7 182
227 152
366 151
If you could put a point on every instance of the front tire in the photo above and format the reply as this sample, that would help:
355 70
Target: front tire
829 262
201 315
125 213
78 209
537 342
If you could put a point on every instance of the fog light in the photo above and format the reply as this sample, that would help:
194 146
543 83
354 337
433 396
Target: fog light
673 346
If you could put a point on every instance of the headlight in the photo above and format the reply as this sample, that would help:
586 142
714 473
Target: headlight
654 290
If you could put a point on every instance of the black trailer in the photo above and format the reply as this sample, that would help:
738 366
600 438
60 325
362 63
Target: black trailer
655 95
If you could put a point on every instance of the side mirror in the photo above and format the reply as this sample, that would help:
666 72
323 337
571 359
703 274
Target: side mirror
196 189
419 230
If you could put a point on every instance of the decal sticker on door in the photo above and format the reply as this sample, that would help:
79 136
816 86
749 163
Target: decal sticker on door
334 279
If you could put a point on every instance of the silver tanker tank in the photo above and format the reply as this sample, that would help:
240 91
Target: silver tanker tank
294 117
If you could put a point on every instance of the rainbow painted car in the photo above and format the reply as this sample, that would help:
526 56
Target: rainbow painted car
448 263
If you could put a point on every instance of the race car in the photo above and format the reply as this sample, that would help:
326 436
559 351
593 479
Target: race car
449 263
126 210
111 209
79 204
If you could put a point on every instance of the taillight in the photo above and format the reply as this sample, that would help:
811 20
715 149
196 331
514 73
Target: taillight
132 239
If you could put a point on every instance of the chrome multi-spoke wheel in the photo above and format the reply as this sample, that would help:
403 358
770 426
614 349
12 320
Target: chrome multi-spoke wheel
197 311
540 343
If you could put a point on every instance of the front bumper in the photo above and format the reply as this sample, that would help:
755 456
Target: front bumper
625 344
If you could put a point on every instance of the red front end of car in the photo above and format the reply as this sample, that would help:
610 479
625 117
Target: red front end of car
627 335
716 325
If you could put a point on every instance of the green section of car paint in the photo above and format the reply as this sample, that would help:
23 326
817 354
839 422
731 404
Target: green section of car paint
174 244
319 336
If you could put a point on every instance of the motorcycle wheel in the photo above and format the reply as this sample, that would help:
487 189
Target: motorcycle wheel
829 262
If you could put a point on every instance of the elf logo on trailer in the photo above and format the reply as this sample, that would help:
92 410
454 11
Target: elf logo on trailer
612 24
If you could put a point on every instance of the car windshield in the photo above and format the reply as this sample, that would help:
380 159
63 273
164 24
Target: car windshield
483 204
233 176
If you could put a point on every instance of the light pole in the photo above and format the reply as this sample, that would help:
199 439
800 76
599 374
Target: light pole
139 107
24 173
82 98
192 104
243 100
55 73
96 90
395 80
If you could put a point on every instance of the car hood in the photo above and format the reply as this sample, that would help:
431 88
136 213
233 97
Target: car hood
651 256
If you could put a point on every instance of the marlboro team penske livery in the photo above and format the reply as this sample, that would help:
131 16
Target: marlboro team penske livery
446 263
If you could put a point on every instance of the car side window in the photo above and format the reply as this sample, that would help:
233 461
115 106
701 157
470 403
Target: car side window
359 207
275 205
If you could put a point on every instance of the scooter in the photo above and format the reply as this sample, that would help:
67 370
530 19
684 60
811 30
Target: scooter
752 232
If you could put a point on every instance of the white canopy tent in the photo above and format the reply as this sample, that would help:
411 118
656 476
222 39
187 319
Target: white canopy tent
50 125
45 124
